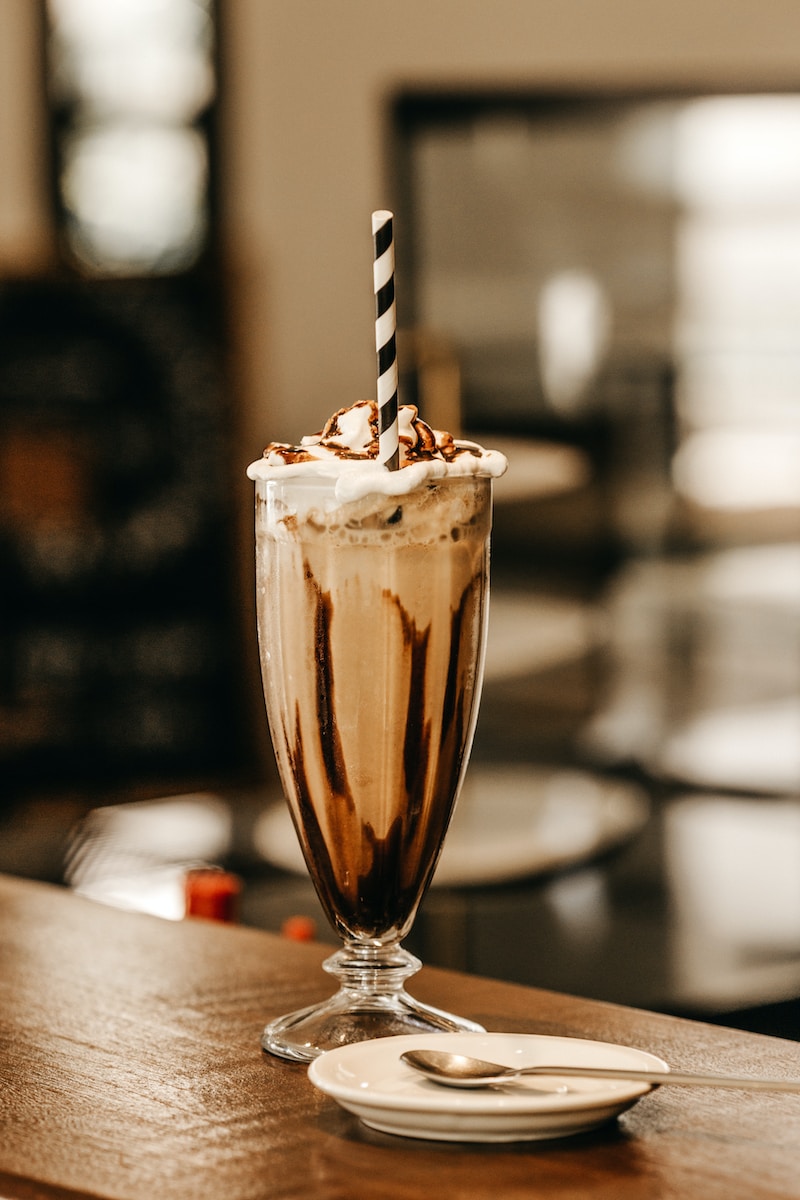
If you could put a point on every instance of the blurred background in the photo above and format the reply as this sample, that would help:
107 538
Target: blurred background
598 270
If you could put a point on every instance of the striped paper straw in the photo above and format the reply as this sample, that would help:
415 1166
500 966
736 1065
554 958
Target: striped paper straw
385 339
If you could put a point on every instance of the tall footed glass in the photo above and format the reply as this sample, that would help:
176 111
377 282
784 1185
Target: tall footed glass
371 623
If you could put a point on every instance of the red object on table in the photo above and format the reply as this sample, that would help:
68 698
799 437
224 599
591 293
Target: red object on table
299 929
213 894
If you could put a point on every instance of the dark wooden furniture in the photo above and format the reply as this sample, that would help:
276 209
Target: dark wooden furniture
131 1069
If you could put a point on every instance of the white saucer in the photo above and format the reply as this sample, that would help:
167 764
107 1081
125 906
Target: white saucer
511 821
369 1080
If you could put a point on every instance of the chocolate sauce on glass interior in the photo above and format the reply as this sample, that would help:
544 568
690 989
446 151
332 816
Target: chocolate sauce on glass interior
371 617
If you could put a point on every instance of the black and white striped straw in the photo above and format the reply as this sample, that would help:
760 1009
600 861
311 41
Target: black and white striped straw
385 339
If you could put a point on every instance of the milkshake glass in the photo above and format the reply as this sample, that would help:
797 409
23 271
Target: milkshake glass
372 615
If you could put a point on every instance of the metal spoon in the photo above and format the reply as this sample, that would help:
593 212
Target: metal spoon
459 1070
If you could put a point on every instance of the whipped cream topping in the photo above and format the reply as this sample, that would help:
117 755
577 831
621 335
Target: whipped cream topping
347 447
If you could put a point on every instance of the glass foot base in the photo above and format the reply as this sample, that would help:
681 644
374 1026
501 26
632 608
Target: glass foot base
371 1003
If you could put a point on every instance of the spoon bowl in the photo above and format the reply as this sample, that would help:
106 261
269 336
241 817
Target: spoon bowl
460 1070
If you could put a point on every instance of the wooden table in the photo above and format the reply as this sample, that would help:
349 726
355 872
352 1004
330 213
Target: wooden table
131 1069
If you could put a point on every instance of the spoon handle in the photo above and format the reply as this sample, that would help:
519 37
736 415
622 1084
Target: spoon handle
681 1078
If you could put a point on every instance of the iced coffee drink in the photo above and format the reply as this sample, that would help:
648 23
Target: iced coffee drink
372 605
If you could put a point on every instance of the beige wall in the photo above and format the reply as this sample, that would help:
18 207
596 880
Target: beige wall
25 234
305 157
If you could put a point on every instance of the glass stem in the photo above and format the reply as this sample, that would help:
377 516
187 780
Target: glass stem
366 969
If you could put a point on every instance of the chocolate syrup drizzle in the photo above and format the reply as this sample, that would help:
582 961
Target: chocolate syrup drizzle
426 444
382 895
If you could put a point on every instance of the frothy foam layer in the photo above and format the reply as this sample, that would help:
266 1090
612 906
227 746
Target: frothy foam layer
347 448
423 517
